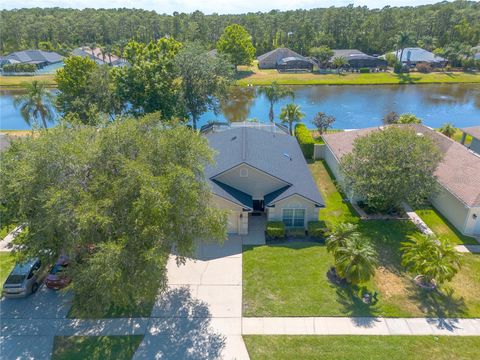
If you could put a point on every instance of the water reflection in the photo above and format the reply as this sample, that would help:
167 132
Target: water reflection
238 103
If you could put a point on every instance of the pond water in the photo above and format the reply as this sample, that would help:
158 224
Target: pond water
353 106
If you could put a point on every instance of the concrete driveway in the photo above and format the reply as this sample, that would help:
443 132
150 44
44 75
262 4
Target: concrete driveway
200 316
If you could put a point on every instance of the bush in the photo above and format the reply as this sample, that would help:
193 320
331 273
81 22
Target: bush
275 229
19 67
305 139
424 68
316 229
364 70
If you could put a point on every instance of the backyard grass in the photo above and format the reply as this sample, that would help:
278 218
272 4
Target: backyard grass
363 347
7 261
95 347
254 76
290 279
442 227
13 82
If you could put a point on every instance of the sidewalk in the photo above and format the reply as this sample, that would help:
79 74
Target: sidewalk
359 326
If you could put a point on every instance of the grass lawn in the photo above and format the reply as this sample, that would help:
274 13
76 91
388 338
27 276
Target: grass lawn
95 347
254 76
363 347
442 227
7 261
12 82
290 279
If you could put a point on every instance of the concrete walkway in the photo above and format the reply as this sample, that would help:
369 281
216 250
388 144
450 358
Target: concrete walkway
474 249
4 243
359 326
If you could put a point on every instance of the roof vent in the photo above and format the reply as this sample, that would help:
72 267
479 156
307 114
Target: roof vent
234 138
287 156
419 134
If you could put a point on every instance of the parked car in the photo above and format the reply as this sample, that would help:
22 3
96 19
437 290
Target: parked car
57 277
23 280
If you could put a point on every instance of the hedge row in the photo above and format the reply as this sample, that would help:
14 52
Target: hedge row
19 67
305 139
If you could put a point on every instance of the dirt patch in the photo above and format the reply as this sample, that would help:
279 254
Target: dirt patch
389 283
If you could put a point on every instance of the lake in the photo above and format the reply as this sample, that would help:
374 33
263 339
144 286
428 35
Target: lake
353 106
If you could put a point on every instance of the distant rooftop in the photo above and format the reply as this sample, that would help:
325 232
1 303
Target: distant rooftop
473 130
222 126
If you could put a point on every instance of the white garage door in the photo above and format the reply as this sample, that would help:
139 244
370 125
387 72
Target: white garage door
233 222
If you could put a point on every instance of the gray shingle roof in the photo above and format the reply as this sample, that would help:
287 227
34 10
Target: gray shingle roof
276 154
278 54
35 56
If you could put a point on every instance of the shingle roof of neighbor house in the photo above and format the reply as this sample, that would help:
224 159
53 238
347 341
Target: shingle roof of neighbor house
459 171
278 54
417 55
345 53
274 153
473 130
35 56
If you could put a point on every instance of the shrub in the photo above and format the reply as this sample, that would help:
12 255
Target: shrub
305 139
397 68
316 229
424 68
364 70
275 229
19 67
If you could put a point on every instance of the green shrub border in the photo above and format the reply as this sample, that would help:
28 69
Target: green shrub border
305 140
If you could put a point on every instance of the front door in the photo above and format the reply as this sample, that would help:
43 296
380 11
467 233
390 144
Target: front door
258 206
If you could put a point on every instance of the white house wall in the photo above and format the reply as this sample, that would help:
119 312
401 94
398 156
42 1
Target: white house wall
256 183
472 226
452 208
293 202
237 218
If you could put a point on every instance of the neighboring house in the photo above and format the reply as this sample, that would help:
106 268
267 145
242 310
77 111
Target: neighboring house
284 59
474 132
357 59
39 58
414 56
261 169
458 175
99 57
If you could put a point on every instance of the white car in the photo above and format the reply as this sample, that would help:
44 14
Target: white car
23 280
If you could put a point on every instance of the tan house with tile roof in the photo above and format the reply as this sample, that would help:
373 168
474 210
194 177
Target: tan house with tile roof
458 175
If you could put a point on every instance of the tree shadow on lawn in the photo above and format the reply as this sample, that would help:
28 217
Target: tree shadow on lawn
405 78
242 74
439 305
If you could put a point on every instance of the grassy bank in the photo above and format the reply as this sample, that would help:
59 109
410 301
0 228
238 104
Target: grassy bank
7 261
14 82
254 76
362 347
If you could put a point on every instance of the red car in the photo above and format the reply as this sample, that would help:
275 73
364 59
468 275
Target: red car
57 277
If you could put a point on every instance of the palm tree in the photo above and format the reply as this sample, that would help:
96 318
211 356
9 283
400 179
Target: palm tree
291 113
339 62
403 40
434 259
274 93
35 104
356 260
339 235
448 129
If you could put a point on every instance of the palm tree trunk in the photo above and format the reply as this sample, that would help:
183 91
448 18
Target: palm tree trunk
194 122
290 127
271 112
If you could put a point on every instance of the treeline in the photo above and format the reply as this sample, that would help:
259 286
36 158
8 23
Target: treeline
372 31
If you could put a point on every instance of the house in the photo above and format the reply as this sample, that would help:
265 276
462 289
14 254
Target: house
261 170
474 132
39 58
99 56
357 59
414 56
284 59
458 175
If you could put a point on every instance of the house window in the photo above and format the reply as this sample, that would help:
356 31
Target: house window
243 172
293 217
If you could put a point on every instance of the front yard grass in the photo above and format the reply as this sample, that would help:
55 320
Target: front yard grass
363 347
290 279
442 227
95 347
7 262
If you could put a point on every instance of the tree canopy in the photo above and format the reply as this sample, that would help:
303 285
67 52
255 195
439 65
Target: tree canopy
236 44
390 166
117 200
373 31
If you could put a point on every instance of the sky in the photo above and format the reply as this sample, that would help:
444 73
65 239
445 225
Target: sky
208 6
